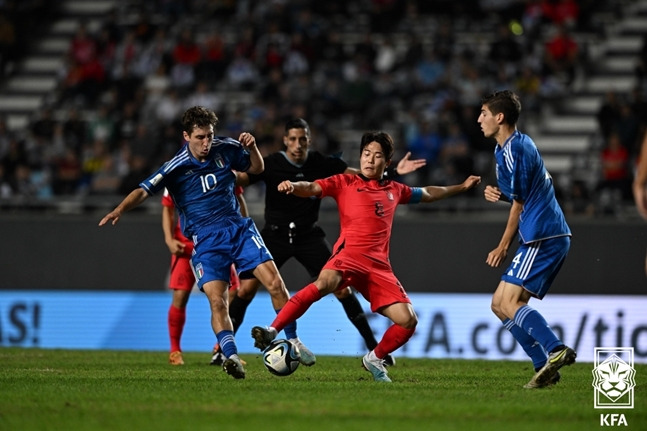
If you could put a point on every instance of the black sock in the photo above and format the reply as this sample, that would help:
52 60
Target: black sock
356 315
558 348
237 309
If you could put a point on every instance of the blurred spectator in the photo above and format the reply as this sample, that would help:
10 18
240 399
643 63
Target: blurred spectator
6 189
578 200
101 127
126 124
296 62
615 180
15 155
455 155
7 44
528 86
627 126
561 12
608 114
561 56
215 58
641 63
168 107
505 50
126 55
137 172
186 57
43 126
67 173
82 49
429 72
155 54
203 96
5 137
425 142
242 73
74 130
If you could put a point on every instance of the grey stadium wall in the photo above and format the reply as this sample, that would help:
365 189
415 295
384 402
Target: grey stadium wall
428 254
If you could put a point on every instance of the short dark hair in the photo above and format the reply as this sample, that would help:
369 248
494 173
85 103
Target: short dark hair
198 116
506 102
384 139
297 123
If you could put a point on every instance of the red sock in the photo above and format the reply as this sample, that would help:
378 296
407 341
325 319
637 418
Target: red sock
394 338
176 319
234 281
296 306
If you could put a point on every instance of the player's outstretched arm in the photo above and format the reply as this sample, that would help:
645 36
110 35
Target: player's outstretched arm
435 193
406 165
135 198
302 189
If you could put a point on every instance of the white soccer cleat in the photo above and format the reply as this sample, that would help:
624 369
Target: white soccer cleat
376 367
307 357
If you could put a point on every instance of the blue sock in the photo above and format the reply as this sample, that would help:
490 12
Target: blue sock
227 343
535 325
290 329
529 344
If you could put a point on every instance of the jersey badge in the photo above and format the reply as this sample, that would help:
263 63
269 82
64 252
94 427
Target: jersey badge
219 162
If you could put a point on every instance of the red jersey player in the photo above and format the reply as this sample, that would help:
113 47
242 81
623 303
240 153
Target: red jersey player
182 278
366 204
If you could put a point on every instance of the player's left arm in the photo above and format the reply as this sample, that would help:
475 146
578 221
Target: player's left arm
302 189
498 255
435 193
257 164
244 211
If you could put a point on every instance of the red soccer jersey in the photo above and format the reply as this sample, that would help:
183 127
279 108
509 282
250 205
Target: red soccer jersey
366 211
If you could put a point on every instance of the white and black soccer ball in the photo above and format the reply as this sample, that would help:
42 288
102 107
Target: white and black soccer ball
281 357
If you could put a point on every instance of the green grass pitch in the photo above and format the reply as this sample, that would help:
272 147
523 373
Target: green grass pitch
113 390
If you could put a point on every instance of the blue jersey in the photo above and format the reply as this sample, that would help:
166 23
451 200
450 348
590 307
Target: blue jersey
203 192
522 176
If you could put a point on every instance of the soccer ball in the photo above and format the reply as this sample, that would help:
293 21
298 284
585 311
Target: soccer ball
281 357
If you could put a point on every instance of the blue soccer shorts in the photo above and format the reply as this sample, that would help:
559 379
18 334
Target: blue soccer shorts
535 265
218 246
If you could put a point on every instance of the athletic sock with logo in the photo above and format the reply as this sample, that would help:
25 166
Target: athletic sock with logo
535 325
531 346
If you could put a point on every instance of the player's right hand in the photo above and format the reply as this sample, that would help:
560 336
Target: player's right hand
492 194
286 187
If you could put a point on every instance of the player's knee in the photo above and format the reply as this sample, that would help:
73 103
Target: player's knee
276 286
412 322
247 290
343 293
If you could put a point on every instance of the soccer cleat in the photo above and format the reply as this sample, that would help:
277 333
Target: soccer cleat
263 336
307 357
389 361
234 367
547 375
175 358
217 358
556 378
375 367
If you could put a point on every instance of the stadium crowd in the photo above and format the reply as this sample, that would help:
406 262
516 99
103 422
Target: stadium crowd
341 64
